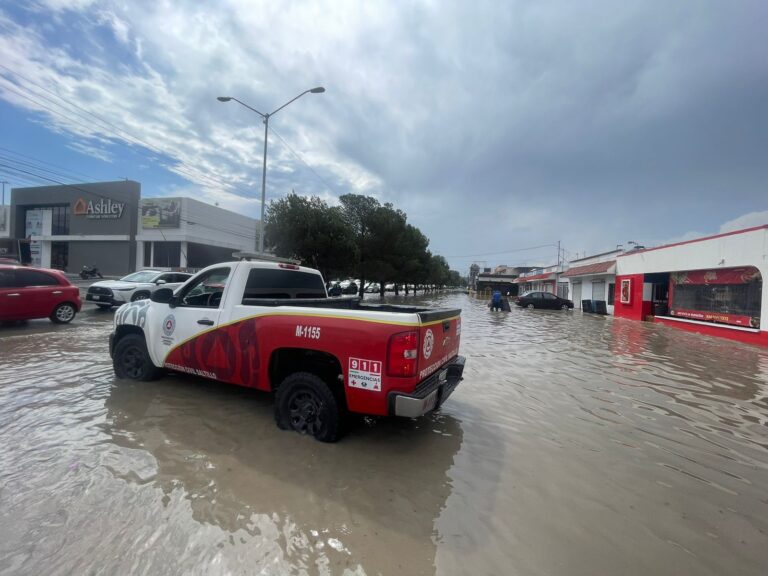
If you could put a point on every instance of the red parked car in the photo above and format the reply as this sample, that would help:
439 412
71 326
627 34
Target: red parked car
27 293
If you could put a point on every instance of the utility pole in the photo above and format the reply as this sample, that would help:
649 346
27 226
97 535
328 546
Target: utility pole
3 183
557 270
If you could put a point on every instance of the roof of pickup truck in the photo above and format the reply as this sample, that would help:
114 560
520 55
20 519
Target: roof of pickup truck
263 257
277 266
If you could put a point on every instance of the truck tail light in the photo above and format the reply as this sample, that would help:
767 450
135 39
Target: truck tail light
403 354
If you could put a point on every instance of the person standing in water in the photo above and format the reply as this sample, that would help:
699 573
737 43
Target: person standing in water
496 303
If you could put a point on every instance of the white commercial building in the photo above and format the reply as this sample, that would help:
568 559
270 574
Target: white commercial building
593 282
186 233
713 285
109 225
545 279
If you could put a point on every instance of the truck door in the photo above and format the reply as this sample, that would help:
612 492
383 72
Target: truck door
187 335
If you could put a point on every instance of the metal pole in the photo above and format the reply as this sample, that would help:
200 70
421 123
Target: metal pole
3 202
263 185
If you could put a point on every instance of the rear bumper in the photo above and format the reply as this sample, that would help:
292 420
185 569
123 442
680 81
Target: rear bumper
430 393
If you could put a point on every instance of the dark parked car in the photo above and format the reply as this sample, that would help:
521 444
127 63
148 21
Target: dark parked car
27 293
543 300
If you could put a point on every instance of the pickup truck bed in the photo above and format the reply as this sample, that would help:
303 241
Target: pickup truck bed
354 303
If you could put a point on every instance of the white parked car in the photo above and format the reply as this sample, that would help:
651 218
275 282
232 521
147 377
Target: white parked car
136 286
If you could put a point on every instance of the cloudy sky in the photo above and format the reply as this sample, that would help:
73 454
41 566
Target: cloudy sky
496 126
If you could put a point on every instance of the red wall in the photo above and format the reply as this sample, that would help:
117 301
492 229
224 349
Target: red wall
759 338
636 309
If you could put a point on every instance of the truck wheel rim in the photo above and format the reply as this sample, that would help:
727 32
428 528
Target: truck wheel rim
133 362
65 313
305 410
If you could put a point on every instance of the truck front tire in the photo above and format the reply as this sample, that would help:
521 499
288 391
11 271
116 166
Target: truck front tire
305 404
131 360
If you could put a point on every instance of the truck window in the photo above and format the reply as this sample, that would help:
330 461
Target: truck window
206 290
268 283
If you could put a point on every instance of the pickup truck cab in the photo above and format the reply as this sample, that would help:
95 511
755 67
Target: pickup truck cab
271 326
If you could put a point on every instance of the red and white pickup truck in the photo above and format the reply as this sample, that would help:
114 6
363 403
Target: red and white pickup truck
271 326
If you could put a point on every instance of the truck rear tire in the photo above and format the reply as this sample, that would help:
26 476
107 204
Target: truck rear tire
305 404
131 360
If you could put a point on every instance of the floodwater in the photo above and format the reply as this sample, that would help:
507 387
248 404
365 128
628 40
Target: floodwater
577 445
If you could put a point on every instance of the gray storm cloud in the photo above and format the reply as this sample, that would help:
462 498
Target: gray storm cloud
494 125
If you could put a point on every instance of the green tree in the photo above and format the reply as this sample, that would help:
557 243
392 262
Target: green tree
313 232
455 279
412 256
439 271
360 214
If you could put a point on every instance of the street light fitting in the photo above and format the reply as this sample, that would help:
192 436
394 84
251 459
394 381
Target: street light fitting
266 117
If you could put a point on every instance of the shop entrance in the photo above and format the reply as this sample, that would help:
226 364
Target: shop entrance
60 255
659 292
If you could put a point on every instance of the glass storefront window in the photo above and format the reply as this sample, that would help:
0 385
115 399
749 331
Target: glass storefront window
59 218
730 296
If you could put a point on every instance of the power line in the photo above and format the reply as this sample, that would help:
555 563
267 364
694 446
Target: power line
297 155
65 170
505 252
182 168
16 163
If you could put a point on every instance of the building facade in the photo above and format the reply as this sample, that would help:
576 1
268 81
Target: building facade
712 285
593 282
544 279
186 233
108 225
68 227
502 278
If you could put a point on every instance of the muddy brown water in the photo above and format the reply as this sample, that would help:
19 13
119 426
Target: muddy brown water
576 445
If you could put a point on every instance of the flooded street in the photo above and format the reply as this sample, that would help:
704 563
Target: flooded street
576 445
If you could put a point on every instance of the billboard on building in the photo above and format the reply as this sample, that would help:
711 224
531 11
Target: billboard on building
160 213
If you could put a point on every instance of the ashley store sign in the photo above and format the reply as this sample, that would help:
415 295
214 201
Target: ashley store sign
101 209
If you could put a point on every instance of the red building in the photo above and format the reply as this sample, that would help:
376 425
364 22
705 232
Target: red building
712 285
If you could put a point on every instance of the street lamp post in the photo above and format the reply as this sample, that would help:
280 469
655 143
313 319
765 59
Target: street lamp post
266 117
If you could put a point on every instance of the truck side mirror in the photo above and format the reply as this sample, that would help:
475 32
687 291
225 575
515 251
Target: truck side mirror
162 296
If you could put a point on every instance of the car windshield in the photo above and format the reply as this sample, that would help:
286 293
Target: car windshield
144 276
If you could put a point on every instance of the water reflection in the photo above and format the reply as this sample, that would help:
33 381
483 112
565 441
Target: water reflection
344 506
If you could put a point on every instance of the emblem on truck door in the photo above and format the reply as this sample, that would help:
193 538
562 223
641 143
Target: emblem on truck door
169 325
429 342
